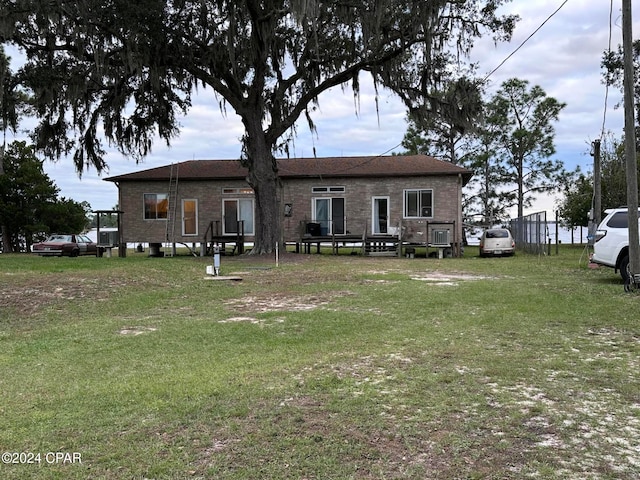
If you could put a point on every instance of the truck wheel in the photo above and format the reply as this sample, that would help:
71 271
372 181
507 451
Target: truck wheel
624 268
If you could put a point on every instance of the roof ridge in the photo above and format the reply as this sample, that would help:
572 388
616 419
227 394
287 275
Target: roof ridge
318 167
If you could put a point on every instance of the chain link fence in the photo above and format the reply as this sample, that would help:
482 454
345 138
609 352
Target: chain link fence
530 232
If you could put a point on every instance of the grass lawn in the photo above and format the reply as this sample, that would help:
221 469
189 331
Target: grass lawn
326 367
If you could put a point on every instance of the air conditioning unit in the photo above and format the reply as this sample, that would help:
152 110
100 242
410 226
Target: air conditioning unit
441 237
109 237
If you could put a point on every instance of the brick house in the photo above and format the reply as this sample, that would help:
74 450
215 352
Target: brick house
414 198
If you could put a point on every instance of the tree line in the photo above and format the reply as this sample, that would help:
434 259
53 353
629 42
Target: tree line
121 73
30 205
507 140
577 203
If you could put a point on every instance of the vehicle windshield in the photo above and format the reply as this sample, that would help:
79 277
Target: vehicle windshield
497 234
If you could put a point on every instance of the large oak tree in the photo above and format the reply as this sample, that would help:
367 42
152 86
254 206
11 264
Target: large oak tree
126 69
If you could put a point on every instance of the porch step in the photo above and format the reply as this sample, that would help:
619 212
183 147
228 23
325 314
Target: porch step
380 249
389 253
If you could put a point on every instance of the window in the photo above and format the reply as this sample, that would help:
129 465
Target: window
418 203
155 206
619 220
236 191
496 233
327 189
235 210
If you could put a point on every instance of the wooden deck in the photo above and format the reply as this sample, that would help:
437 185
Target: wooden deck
440 240
373 245
365 245
212 236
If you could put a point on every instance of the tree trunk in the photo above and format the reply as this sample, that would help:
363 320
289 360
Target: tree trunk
6 238
520 171
7 247
263 178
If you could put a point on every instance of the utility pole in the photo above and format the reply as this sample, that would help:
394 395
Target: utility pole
630 142
595 215
597 184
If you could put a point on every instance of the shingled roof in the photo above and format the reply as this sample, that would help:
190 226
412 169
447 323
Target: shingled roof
327 167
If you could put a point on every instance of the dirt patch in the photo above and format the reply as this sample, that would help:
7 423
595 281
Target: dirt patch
27 300
263 303
447 279
252 320
606 438
311 426
135 331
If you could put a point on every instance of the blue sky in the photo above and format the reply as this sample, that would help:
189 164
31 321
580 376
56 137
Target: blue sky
563 57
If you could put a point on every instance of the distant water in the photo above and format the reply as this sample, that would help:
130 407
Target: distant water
576 236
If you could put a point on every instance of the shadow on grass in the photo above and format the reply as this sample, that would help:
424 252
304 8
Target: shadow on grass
613 281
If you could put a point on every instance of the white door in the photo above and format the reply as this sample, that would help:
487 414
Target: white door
189 217
235 210
380 216
330 214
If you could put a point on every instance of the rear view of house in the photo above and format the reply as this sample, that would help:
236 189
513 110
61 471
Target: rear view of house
414 198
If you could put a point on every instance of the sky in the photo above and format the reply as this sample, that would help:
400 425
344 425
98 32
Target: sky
563 57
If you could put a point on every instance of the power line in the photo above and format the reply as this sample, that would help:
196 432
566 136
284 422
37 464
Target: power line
524 42
606 91
484 80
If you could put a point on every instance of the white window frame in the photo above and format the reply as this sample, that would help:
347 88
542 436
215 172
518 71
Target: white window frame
373 213
328 189
253 214
144 206
419 206
330 199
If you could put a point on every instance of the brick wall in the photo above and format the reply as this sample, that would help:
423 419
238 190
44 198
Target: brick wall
208 195
359 195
